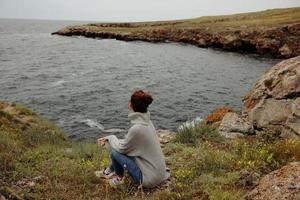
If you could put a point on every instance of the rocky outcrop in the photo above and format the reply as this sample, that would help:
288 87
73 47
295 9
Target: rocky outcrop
275 99
233 125
280 42
278 185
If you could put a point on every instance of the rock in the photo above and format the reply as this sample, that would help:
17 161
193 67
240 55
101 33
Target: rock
275 99
248 179
24 183
230 41
217 115
165 136
38 179
202 42
267 46
294 28
279 41
68 150
285 51
233 126
31 184
280 184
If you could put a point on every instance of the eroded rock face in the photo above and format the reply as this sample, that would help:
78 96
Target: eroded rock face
275 99
280 184
233 125
281 41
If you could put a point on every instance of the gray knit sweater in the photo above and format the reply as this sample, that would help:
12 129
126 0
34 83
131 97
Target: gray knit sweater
142 143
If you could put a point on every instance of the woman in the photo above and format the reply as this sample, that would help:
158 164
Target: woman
140 152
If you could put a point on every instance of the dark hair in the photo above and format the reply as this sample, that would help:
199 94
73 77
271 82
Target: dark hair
140 101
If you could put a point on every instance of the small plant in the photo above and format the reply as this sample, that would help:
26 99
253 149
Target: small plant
199 132
269 135
23 111
254 157
285 150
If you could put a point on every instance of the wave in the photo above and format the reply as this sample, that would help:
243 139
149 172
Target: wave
93 124
58 83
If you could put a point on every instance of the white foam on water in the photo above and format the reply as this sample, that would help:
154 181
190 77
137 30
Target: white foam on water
93 124
58 83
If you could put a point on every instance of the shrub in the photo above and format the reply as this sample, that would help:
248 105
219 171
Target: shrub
269 135
285 150
200 132
254 156
213 160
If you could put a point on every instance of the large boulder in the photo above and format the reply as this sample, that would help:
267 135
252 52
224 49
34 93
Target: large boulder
233 125
275 99
278 185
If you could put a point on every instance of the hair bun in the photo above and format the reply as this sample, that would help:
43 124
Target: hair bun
148 99
140 100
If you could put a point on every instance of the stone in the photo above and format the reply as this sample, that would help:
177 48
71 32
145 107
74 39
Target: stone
230 41
38 179
279 184
165 136
202 42
294 28
285 50
233 125
217 115
31 184
68 150
275 99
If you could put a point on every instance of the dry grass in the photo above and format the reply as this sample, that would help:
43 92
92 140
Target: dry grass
268 18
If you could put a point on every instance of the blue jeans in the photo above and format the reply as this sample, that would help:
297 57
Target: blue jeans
121 161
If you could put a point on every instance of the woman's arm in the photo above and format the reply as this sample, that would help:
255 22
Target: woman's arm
126 145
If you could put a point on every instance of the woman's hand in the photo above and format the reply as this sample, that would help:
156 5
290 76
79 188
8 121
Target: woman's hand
102 141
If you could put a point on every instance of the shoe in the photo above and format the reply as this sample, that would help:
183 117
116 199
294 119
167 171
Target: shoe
105 174
116 182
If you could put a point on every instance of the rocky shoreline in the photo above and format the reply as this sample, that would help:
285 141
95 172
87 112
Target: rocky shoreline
250 33
35 155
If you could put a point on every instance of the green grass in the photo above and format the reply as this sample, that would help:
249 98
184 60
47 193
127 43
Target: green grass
204 167
23 110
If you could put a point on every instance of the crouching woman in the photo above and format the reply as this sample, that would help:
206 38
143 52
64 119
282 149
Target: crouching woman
139 152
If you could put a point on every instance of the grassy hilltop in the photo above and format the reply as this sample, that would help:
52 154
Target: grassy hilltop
273 33
38 162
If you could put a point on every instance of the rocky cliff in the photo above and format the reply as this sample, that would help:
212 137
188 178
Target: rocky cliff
272 33
275 99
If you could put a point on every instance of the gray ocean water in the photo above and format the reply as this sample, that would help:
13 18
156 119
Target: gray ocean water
84 84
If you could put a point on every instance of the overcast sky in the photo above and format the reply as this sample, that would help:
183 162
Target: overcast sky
132 10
